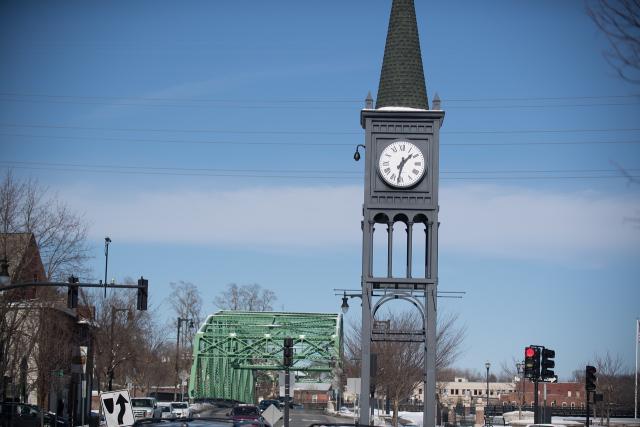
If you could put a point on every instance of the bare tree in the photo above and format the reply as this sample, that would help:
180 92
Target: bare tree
610 371
619 20
186 301
26 326
123 337
246 298
400 364
27 207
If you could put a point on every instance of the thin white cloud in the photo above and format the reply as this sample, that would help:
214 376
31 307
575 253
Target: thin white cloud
500 221
533 224
318 216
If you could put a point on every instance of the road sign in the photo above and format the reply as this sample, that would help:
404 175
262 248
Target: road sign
271 415
116 407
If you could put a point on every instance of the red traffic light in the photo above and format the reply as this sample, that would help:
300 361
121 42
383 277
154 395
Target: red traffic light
529 352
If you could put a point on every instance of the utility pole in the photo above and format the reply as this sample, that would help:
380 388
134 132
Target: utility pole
190 324
175 387
107 240
111 367
287 362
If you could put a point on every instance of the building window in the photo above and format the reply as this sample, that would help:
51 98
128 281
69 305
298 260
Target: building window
314 398
577 394
569 393
573 405
419 391
475 392
553 404
564 404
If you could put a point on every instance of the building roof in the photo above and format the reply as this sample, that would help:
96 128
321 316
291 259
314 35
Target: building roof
402 81
23 256
312 386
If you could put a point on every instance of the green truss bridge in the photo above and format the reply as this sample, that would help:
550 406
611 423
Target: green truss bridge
231 346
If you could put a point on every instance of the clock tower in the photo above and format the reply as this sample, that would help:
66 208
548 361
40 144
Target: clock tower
401 193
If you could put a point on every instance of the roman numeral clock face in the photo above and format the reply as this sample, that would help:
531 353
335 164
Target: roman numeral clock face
401 164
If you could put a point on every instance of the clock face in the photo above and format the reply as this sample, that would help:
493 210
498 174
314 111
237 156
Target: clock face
401 164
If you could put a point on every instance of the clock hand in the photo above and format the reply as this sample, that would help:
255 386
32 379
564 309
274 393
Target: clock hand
401 166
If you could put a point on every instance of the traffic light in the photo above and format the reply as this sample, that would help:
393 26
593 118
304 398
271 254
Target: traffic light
532 362
143 293
547 364
590 378
288 352
72 292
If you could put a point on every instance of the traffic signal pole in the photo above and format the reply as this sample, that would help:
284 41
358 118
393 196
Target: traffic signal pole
286 396
587 422
536 411
287 362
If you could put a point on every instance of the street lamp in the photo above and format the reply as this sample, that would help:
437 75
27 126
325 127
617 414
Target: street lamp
520 368
107 240
487 365
345 304
191 325
111 367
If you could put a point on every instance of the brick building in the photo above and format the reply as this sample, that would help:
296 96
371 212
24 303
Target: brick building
45 348
565 395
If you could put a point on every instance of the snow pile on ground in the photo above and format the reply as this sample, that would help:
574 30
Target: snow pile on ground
414 417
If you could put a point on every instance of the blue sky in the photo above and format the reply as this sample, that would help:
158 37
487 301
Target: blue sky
213 142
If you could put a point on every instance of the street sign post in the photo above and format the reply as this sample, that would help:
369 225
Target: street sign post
271 415
116 407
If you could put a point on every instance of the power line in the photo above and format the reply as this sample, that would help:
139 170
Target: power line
471 179
298 173
314 100
298 143
312 132
266 104
174 141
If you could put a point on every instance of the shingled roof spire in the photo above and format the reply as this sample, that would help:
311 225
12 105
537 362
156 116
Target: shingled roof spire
402 77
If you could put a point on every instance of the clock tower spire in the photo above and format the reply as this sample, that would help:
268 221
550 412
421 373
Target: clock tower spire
402 77
402 146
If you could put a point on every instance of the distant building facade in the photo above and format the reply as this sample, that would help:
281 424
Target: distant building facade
47 348
565 395
468 393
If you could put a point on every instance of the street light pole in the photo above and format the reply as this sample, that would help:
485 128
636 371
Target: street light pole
487 365
175 388
520 369
111 367
107 240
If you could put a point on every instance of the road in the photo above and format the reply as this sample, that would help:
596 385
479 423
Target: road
304 418
297 417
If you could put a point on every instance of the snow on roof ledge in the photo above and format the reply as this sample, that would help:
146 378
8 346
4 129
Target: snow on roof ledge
400 109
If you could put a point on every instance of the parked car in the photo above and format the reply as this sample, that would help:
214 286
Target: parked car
292 404
165 411
145 407
17 414
180 409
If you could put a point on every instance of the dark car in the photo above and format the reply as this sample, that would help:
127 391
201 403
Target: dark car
246 415
191 422
292 404
17 414
264 404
